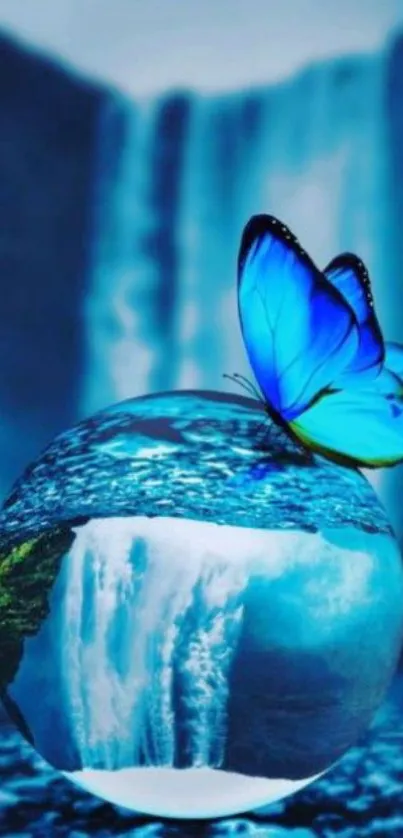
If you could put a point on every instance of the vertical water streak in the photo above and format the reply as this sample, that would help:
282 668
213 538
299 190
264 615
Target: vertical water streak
71 641
165 597
97 592
211 217
206 658
119 313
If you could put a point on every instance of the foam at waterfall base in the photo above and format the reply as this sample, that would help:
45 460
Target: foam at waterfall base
186 792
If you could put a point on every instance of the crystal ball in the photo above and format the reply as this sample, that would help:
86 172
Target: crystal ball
197 617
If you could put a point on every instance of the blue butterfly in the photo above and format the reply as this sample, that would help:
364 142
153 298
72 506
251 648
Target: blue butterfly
316 348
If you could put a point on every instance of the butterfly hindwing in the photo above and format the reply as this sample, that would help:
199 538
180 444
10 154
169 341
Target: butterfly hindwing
363 427
349 275
299 332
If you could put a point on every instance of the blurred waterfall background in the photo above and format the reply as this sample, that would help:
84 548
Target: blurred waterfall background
121 209
121 223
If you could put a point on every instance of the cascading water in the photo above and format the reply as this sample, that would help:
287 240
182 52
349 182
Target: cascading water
150 627
147 637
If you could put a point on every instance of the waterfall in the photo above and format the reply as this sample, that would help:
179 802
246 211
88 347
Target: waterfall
311 150
177 181
150 626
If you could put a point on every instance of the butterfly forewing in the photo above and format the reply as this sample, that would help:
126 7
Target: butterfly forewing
349 275
299 332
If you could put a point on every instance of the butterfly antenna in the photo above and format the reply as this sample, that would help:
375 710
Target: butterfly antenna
245 381
247 385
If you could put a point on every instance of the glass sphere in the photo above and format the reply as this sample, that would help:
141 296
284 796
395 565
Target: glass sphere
197 617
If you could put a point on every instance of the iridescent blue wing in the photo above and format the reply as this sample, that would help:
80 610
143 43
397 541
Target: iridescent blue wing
349 275
363 427
299 333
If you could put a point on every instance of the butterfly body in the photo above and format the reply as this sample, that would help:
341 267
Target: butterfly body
315 345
